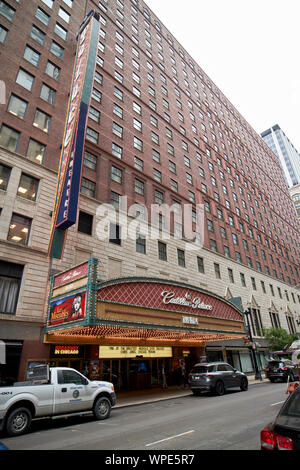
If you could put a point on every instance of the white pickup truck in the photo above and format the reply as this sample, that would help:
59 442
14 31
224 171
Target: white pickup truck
65 392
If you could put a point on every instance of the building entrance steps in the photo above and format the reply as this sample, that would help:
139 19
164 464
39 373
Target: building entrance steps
139 397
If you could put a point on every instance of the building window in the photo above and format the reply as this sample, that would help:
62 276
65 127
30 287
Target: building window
253 283
17 106
4 176
42 120
38 35
117 130
138 163
28 187
42 16
210 225
157 175
118 93
217 270
200 263
19 229
36 151
256 322
192 196
25 79
88 187
114 199
162 251
141 244
9 138
64 15
137 125
90 160
32 56
172 167
92 136
94 114
243 279
57 50
3 34
10 281
48 94
139 187
60 31
52 70
116 150
85 223
69 3
116 174
138 144
158 197
7 11
96 95
156 156
98 78
275 321
118 111
174 185
213 245
291 324
230 275
49 3
226 251
181 257
115 234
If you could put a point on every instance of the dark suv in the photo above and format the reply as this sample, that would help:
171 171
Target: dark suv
281 369
216 377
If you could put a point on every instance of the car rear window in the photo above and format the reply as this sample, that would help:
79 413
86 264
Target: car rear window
292 407
275 364
202 369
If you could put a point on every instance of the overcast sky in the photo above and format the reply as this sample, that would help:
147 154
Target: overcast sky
249 49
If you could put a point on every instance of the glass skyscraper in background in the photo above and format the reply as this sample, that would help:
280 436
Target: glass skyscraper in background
289 158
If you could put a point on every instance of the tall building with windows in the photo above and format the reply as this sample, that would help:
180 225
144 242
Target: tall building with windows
159 131
288 156
295 195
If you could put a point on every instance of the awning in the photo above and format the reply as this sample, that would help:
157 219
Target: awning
103 334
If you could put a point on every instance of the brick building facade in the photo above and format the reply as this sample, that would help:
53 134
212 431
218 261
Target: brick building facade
159 131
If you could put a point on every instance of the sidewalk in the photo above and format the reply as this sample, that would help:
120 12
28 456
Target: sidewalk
140 397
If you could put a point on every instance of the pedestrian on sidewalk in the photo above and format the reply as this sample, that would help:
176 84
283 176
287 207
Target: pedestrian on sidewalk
164 378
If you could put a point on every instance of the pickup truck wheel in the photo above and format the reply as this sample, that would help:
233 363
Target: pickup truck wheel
18 421
102 408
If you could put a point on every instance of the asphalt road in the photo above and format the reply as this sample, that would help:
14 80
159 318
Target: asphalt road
229 422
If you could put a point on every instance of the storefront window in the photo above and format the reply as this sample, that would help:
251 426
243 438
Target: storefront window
246 362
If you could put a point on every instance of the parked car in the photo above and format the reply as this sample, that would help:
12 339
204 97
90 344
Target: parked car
284 432
281 369
216 377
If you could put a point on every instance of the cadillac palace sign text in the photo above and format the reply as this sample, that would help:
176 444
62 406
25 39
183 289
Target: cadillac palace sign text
186 301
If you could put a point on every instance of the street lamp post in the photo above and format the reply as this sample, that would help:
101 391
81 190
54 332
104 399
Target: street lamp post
247 313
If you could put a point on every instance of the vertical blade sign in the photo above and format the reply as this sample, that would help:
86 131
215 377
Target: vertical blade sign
69 175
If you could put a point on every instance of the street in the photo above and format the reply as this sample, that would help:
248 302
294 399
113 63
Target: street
229 422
